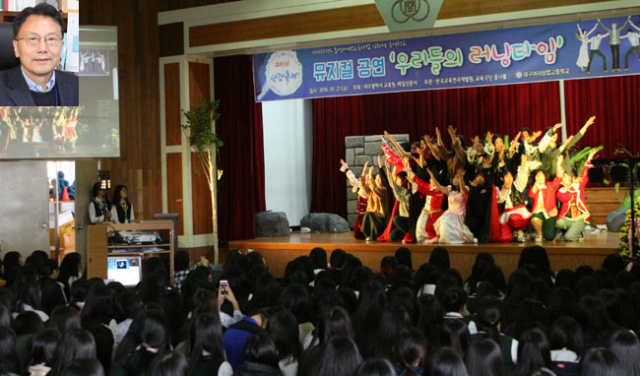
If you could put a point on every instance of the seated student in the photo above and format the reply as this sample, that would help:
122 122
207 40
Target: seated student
236 336
260 357
545 211
490 320
566 344
574 214
454 302
38 33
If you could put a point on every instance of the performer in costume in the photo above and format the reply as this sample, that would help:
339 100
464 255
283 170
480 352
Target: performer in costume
121 209
432 209
514 212
574 214
545 211
400 187
362 195
450 227
374 219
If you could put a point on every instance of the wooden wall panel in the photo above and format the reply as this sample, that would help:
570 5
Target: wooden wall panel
358 17
201 197
172 39
174 188
172 104
199 83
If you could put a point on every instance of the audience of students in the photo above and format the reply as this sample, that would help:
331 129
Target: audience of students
320 320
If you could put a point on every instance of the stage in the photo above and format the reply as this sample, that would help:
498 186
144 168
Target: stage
279 251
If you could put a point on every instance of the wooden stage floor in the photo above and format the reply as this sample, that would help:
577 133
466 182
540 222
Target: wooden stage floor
279 251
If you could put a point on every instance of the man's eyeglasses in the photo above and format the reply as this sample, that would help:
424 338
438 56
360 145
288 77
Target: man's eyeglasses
34 40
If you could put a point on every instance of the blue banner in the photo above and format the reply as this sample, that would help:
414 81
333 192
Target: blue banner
595 48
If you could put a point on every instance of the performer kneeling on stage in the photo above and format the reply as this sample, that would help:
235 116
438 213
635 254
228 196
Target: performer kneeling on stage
511 200
545 211
574 215
432 209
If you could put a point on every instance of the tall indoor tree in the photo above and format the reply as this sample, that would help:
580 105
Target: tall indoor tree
201 133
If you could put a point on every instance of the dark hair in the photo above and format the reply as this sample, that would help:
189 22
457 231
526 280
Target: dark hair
97 188
592 314
64 318
446 362
427 274
402 174
518 287
52 295
537 256
29 293
84 367
411 348
526 129
454 299
566 332
69 267
561 302
169 364
259 348
340 356
455 334
440 258
283 330
75 344
430 318
625 345
394 320
600 362
533 353
484 359
206 335
372 302
44 347
181 260
11 260
127 305
403 255
613 263
8 357
375 367
490 315
388 264
28 322
151 333
335 322
483 261
99 302
42 9
319 258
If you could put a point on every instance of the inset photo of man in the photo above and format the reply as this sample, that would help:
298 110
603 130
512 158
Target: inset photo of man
38 43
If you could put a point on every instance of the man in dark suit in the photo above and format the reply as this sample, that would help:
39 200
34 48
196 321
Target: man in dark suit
38 43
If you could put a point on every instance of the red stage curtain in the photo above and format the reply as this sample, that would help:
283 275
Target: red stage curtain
500 109
615 101
241 189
